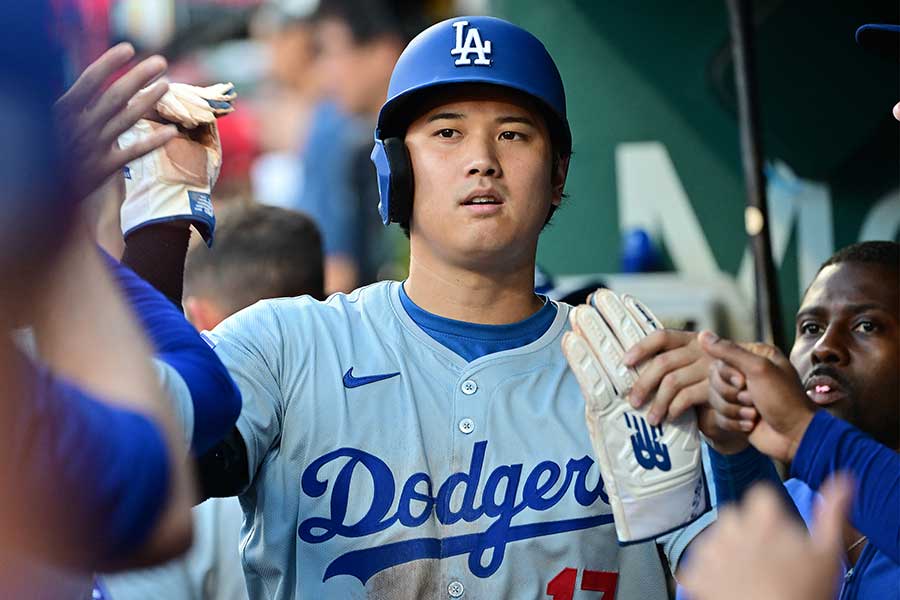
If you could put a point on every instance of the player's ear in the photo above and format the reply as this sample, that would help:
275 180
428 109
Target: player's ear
202 313
558 178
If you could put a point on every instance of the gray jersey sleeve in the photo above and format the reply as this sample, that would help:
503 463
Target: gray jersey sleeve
676 543
251 346
180 396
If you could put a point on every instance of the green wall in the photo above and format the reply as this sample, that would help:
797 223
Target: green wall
653 71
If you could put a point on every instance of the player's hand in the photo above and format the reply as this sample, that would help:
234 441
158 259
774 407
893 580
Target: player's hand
191 106
653 474
172 183
778 560
773 388
91 118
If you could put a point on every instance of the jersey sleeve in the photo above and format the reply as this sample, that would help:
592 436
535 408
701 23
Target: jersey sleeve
179 396
675 544
251 346
831 445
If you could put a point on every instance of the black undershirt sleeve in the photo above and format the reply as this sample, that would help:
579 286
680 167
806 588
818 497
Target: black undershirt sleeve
223 471
157 254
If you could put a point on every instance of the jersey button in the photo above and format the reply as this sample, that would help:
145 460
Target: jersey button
469 387
467 425
456 589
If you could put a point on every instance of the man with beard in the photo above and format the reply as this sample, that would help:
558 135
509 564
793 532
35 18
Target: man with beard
846 354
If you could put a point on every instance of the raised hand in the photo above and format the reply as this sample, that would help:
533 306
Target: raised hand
90 117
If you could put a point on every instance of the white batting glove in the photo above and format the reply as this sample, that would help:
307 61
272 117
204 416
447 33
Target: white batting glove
172 183
652 475
191 106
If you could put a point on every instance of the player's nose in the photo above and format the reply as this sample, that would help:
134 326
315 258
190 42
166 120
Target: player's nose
482 159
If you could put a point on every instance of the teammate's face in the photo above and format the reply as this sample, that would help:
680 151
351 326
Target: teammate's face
483 181
847 349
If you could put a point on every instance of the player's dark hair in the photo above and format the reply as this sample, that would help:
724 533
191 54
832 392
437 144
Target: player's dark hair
372 19
883 253
259 252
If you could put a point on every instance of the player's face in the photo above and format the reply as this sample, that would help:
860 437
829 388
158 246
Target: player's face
847 349
483 184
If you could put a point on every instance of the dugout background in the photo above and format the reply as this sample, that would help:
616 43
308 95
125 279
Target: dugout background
653 70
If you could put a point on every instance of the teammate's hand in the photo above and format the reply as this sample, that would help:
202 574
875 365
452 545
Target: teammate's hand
675 368
724 421
759 551
91 118
773 388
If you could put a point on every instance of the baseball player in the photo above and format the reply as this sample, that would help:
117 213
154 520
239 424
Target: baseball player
425 438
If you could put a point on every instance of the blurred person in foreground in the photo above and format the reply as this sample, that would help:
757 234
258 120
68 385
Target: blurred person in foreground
260 252
358 42
93 475
102 480
779 560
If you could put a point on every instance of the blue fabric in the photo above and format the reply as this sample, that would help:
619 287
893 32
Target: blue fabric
875 575
734 474
831 445
327 195
215 397
98 474
472 341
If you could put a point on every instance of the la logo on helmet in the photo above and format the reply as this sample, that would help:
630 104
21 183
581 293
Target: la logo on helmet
473 44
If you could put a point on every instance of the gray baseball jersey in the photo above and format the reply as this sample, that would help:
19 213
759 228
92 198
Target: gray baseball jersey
383 465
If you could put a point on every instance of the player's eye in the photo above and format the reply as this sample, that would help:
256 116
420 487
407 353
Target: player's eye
446 133
512 136
866 327
810 328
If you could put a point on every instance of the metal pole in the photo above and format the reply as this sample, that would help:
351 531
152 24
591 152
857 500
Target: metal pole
756 215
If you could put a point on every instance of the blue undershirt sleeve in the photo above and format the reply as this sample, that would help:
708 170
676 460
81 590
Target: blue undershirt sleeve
734 474
95 474
214 395
831 445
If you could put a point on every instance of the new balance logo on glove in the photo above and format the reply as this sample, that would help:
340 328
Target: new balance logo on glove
648 450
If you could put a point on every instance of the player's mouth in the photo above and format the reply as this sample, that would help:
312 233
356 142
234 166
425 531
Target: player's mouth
824 389
483 202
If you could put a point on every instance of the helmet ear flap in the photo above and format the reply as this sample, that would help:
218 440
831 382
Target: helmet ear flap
395 180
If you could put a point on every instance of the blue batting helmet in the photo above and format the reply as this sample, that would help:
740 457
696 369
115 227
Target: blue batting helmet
463 50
